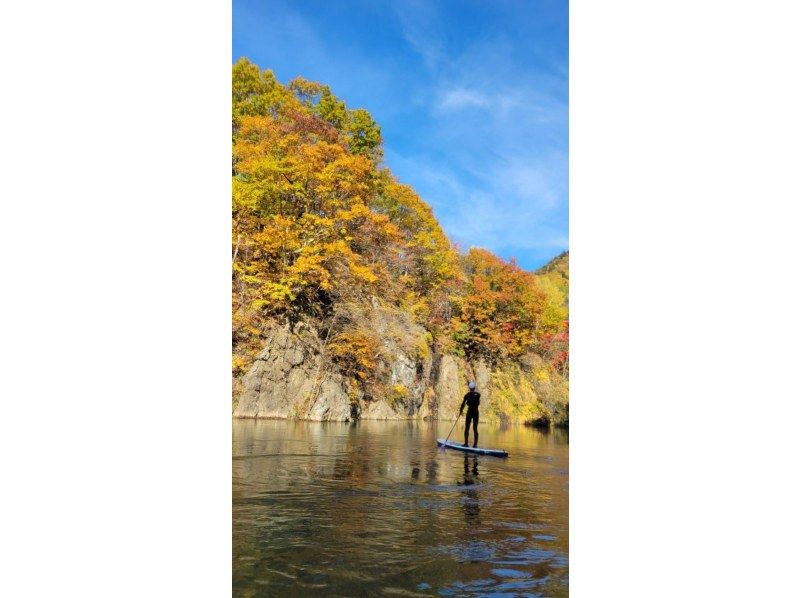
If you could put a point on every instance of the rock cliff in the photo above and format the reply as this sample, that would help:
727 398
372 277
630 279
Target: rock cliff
293 377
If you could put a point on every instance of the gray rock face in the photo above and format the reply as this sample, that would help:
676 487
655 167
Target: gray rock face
402 371
483 378
449 387
381 410
293 378
289 379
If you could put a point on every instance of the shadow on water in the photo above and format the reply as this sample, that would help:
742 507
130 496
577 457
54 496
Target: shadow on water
377 508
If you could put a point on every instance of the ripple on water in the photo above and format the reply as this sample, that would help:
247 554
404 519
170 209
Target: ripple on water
514 573
470 552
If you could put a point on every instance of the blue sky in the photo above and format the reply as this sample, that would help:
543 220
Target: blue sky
471 96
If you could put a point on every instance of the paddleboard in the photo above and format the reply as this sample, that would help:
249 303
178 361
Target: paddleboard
469 449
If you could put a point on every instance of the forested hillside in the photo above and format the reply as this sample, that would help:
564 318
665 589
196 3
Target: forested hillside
348 298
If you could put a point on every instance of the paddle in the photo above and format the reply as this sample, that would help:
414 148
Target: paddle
451 430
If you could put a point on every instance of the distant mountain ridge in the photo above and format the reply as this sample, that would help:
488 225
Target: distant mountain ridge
559 264
556 272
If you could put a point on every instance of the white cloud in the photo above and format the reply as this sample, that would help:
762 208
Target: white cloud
513 206
460 98
421 28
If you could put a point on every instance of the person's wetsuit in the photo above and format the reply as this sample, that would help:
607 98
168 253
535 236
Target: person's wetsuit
472 399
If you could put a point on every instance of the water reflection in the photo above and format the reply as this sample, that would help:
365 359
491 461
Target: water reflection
471 502
376 508
470 475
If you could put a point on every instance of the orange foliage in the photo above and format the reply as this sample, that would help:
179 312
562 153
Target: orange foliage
503 312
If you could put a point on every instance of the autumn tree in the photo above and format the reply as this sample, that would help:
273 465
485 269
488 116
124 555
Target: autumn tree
503 311
318 223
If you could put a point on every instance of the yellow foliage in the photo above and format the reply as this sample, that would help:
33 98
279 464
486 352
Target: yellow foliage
355 351
423 346
400 390
240 364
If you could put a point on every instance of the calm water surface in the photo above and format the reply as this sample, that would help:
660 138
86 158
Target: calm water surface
376 508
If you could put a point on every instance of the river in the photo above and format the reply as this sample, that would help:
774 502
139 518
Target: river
376 508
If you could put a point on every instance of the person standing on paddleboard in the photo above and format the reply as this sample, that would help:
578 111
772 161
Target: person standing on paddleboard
472 399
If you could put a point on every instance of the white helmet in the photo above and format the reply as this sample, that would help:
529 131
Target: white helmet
471 386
